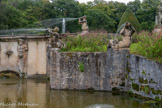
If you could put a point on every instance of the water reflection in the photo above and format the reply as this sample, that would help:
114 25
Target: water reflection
36 94
101 106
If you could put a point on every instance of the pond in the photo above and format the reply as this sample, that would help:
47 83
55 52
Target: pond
37 94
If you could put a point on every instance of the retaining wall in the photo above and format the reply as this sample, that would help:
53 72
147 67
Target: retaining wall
105 71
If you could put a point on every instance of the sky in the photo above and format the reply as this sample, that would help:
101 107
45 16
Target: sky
124 1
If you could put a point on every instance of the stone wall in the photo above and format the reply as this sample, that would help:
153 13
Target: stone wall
105 71
8 63
36 58
98 71
36 63
144 77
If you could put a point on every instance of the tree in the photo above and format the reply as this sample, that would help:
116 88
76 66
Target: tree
67 8
128 16
101 14
117 9
146 14
134 6
99 20
10 17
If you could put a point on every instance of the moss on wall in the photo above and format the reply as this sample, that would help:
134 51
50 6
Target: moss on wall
8 75
135 86
142 80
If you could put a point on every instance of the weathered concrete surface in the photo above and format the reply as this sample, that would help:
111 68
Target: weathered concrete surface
144 77
36 55
36 58
105 71
8 63
98 71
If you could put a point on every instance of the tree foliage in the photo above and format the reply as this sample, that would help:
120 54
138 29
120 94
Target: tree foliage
128 16
145 12
101 14
98 19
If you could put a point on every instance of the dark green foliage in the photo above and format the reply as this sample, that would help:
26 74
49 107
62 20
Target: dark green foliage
99 20
146 14
101 14
134 6
128 16
66 8
10 17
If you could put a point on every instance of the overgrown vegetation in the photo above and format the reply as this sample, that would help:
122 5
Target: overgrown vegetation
148 45
89 43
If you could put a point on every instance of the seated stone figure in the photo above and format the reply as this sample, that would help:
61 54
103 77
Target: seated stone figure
126 33
55 39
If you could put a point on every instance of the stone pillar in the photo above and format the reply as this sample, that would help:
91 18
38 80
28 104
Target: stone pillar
117 68
54 68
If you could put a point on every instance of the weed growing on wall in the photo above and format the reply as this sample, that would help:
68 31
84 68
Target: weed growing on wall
81 66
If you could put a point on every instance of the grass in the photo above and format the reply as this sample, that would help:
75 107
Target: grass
89 43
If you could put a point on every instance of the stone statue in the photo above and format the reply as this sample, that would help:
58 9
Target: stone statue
126 33
158 20
55 39
83 21
158 17
22 56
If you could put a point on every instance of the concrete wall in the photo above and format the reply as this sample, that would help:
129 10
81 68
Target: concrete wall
98 71
106 71
36 56
8 63
144 77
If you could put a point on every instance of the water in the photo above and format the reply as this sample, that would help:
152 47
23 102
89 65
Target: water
37 94
48 23
63 25
120 28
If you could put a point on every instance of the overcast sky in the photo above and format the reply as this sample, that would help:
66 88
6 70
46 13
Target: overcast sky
125 1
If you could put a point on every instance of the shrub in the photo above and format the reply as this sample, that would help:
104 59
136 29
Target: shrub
128 16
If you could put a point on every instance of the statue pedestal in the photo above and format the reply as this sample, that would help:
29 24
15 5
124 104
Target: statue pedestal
157 29
84 33
120 49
